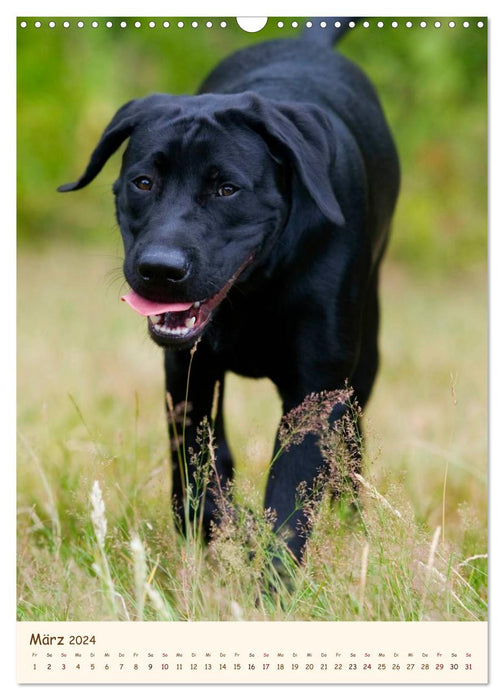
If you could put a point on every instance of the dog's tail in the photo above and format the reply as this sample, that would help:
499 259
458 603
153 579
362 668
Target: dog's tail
328 31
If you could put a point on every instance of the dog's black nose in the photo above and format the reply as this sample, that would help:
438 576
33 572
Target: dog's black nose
163 266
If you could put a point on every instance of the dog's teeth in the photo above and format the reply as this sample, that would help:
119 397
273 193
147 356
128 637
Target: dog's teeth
166 330
197 304
156 319
190 322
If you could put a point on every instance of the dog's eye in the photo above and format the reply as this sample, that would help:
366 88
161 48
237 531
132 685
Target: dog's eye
143 182
226 190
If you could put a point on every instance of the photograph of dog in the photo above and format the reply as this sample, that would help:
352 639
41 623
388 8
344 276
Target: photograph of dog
254 217
255 214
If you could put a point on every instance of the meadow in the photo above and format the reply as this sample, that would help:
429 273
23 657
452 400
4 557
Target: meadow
95 533
91 409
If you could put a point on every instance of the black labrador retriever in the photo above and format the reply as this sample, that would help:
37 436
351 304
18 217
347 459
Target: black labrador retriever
254 216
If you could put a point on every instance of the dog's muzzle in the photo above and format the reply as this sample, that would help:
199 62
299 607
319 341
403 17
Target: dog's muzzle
180 323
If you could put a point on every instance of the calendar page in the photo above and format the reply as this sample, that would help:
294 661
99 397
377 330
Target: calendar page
252 350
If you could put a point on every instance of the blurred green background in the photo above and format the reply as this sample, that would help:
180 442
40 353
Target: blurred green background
432 82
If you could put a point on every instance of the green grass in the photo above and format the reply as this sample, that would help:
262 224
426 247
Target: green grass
90 409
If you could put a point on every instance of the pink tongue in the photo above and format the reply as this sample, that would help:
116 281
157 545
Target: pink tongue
146 307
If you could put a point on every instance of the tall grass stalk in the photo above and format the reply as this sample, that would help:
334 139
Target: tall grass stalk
372 490
102 568
176 439
50 504
443 508
143 584
140 574
94 442
363 575
430 565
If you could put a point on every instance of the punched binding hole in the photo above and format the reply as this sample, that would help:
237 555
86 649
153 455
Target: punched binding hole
251 24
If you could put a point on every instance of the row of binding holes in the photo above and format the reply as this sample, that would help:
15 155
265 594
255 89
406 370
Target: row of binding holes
394 24
123 24
223 24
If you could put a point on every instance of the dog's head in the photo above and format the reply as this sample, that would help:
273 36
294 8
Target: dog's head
204 192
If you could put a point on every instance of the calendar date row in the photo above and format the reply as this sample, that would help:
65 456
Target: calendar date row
55 666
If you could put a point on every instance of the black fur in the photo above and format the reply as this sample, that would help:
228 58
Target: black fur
299 130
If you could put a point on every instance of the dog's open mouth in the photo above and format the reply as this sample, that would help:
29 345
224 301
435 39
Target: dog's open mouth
172 323
179 324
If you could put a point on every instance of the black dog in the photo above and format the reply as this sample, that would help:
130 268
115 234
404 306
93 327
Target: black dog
254 217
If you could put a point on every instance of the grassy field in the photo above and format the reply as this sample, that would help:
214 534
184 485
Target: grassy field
95 536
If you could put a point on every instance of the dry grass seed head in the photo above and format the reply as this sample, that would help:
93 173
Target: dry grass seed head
311 416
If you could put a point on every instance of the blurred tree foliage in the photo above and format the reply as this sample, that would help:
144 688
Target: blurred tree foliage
432 82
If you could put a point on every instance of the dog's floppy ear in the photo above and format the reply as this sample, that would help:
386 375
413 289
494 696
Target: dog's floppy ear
119 129
304 133
116 132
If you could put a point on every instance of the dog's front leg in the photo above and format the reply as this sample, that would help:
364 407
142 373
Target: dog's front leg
201 460
294 465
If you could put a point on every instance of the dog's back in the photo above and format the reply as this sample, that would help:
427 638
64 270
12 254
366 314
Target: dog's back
298 69
307 69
